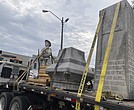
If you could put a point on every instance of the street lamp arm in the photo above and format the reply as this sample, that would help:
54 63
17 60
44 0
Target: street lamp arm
62 23
55 15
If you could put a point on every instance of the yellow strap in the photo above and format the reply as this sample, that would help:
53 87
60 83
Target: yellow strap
82 83
105 63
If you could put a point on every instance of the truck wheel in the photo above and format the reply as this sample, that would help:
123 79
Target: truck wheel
19 103
5 99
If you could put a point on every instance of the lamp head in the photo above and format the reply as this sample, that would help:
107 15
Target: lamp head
67 20
44 11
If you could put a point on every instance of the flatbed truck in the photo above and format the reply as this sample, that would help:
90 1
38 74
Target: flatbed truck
22 95
34 97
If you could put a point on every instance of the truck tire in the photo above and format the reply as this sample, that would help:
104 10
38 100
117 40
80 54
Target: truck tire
5 100
19 103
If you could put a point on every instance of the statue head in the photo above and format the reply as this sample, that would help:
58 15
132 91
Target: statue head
47 43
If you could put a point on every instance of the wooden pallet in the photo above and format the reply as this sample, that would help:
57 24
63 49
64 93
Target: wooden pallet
37 84
42 80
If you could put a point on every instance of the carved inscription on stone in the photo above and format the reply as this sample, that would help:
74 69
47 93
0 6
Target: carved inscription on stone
115 76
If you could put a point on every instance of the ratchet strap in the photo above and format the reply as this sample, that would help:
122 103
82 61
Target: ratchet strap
84 75
106 57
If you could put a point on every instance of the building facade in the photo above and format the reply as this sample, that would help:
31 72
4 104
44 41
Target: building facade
13 57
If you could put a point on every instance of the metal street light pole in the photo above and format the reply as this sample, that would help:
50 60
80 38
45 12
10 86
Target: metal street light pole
62 25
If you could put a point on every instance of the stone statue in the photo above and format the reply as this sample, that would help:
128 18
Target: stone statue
46 59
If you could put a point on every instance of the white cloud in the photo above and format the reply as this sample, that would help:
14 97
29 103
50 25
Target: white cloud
23 26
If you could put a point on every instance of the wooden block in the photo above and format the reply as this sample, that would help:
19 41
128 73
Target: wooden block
39 80
36 84
43 75
43 67
42 72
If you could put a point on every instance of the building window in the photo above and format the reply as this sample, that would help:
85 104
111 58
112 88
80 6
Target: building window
15 70
1 58
35 64
0 51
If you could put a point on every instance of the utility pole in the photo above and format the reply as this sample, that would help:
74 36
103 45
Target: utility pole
62 25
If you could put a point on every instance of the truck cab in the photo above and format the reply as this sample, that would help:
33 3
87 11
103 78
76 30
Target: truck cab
10 70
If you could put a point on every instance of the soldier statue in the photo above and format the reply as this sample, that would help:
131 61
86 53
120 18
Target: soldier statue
46 57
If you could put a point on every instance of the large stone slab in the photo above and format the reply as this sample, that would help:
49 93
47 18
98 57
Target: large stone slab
69 70
120 72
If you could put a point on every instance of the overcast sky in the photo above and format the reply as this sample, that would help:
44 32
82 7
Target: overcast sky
23 26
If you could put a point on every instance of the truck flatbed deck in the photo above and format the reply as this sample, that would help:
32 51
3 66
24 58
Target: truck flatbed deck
87 97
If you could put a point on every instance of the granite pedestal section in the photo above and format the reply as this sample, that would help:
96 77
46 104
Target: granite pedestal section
71 64
120 72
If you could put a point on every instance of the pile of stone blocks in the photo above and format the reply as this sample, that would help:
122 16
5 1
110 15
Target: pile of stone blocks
120 72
